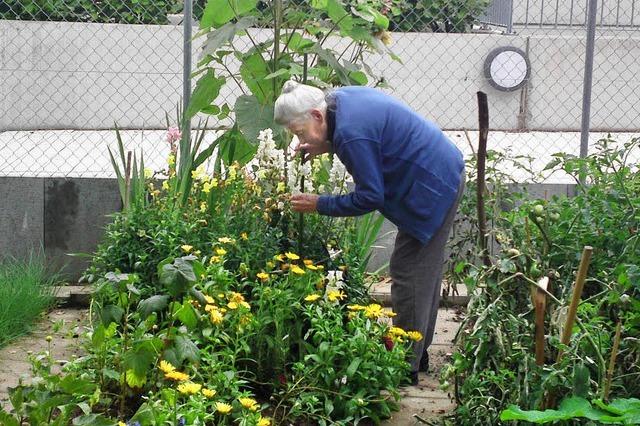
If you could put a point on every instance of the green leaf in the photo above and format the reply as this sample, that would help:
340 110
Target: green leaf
253 116
218 12
206 91
328 56
135 380
358 78
234 147
581 380
353 367
225 34
297 43
186 349
152 304
187 315
74 386
319 4
142 355
111 313
339 15
254 70
93 420
177 276
7 420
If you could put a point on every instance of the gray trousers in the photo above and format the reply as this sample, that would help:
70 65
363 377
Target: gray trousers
416 273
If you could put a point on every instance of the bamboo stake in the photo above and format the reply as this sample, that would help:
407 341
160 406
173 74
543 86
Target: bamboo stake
540 304
127 181
612 360
575 300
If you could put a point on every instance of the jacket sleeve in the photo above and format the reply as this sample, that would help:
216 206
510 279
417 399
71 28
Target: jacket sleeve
363 160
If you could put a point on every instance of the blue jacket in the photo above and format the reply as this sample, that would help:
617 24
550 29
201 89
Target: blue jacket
402 164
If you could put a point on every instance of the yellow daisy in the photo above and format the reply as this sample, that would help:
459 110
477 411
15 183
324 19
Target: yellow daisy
397 331
223 408
297 270
186 248
232 305
312 298
209 299
264 421
176 376
221 251
226 240
355 307
249 403
215 316
208 393
244 236
166 367
292 256
373 311
263 276
189 388
414 335
307 262
335 295
312 267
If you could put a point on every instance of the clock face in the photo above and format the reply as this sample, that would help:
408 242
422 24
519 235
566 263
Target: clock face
507 68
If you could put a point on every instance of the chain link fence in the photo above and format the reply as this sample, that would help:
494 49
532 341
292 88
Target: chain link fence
72 69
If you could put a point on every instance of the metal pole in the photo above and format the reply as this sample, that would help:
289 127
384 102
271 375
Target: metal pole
186 71
510 21
588 77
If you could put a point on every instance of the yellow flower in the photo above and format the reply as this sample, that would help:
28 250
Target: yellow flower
122 424
390 314
232 305
249 403
414 335
214 259
312 298
270 265
297 270
373 311
279 257
263 276
148 173
165 185
186 248
233 171
355 307
223 408
292 256
209 299
281 187
189 388
264 421
216 316
397 331
308 262
245 305
312 267
209 393
226 240
176 376
221 251
320 267
236 297
171 160
166 367
335 295
244 236
203 206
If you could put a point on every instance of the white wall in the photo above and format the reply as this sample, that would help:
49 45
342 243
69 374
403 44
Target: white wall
88 76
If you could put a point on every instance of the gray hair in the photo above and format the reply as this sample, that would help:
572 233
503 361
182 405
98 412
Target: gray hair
296 102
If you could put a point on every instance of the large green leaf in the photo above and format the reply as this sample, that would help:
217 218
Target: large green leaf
339 16
152 304
253 116
254 70
186 349
142 355
93 420
206 91
223 35
7 419
570 408
72 385
187 315
234 147
177 276
218 12
331 60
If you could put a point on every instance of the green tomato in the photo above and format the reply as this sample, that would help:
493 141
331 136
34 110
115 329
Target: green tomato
538 209
554 217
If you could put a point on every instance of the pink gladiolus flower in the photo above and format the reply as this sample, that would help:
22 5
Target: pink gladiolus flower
173 135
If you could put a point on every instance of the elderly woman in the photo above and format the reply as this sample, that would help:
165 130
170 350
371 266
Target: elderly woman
404 167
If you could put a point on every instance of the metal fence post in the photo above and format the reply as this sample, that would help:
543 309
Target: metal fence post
588 78
186 71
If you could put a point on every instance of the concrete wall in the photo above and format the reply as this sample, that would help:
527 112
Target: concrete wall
66 216
573 12
88 76
61 216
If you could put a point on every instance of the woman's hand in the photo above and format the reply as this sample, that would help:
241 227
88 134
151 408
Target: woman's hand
305 203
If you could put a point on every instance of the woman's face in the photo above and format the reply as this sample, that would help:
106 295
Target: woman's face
312 132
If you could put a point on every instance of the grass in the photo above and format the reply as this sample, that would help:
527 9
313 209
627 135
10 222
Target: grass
26 291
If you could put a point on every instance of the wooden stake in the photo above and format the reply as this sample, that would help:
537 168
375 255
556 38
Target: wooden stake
483 118
575 300
612 360
540 304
